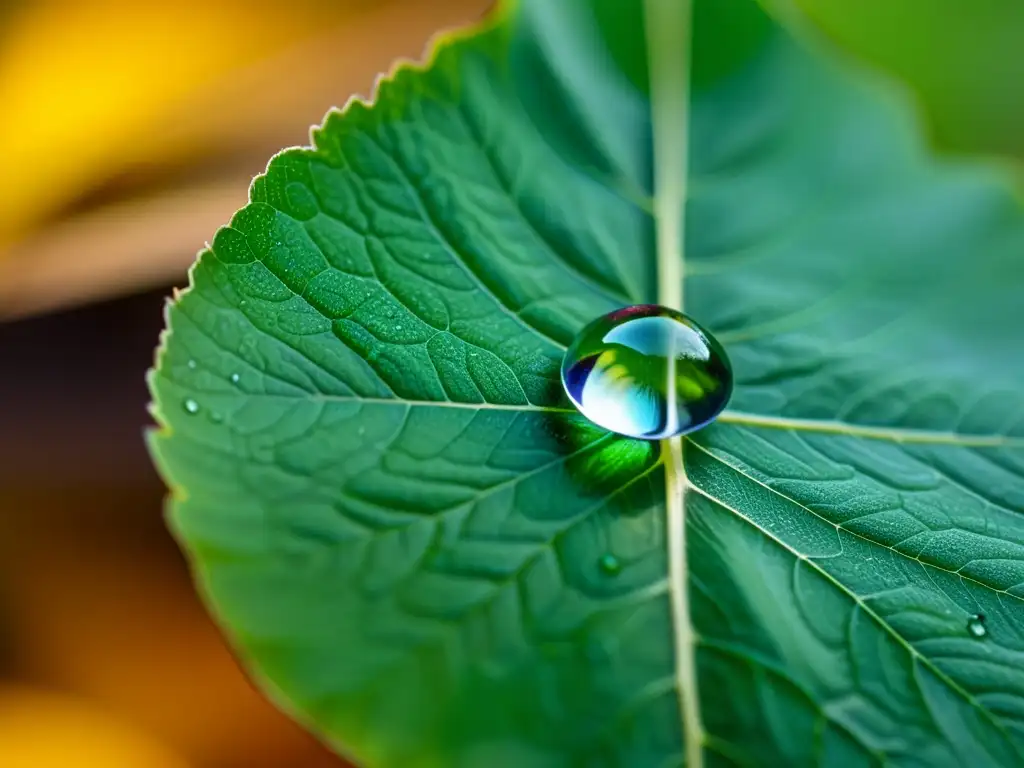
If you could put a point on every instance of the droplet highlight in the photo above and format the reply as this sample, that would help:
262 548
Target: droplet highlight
647 371
190 406
191 365
235 378
976 625
609 564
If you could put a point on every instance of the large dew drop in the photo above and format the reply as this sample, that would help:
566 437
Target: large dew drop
647 371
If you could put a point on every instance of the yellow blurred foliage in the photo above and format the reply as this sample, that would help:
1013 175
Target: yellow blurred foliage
86 83
45 730
130 131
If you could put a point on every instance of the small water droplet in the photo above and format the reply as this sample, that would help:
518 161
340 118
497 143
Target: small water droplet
976 625
647 371
235 378
215 417
609 564
190 406
398 327
361 431
192 365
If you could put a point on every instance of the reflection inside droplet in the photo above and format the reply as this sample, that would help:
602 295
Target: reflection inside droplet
647 371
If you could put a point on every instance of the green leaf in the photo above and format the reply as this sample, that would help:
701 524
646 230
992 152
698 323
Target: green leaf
427 556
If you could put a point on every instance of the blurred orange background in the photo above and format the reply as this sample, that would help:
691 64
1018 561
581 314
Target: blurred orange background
128 132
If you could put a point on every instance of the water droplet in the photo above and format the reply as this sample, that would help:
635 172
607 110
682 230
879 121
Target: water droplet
398 327
215 417
192 365
647 371
235 378
609 564
190 406
976 625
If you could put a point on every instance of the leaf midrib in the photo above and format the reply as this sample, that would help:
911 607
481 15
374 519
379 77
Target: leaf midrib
668 28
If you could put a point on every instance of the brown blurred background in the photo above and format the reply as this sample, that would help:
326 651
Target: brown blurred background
128 133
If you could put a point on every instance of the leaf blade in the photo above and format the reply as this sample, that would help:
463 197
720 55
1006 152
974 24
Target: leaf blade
353 437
